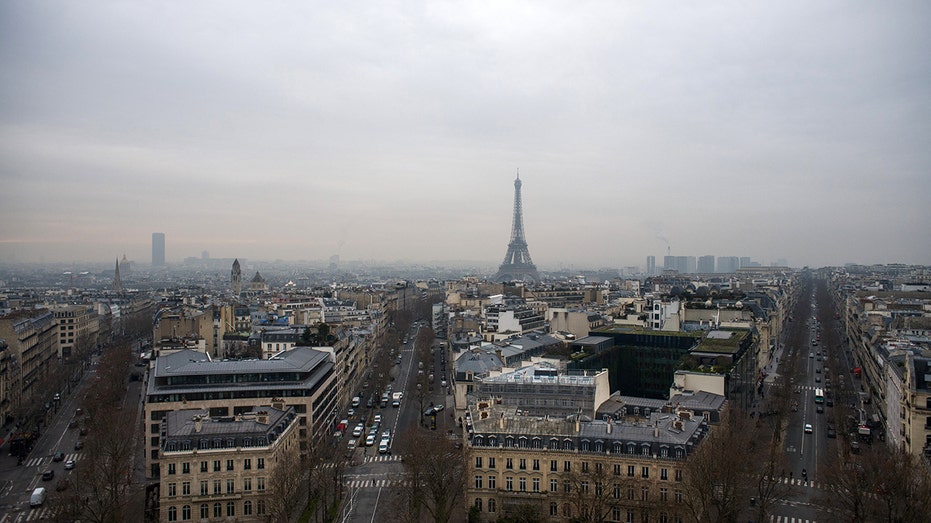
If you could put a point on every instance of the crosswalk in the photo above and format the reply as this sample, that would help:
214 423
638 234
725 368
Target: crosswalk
800 483
381 457
377 483
789 519
32 514
46 460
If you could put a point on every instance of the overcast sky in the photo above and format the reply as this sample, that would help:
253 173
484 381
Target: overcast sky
394 130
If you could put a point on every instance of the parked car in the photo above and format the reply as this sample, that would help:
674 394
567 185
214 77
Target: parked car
358 430
78 445
438 407
370 440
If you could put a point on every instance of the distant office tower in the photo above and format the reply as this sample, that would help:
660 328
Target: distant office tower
158 249
706 264
728 264
236 278
669 263
745 261
517 264
651 265
687 264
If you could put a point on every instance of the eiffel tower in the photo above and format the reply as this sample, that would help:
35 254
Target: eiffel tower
517 264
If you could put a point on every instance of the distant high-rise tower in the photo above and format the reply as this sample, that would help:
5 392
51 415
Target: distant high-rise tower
517 264
236 278
651 265
117 282
706 264
158 249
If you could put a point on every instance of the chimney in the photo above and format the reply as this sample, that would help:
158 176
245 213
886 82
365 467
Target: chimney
198 424
262 417
655 429
610 422
501 421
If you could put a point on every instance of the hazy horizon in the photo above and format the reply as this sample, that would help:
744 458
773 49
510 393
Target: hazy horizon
297 131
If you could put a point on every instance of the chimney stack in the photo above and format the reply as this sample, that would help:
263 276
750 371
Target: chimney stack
198 424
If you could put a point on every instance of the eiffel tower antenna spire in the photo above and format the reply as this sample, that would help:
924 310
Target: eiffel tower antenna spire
517 264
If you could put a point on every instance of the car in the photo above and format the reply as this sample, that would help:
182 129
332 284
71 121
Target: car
358 430
370 440
83 431
48 475
443 383
811 354
72 424
56 397
832 433
78 411
78 445
829 402
808 429
818 370
819 409
351 412
383 446
817 379
438 407
59 456
429 411
396 403
69 464
377 418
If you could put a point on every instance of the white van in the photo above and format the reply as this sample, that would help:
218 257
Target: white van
356 401
38 497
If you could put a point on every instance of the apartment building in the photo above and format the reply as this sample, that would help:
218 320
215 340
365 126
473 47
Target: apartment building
561 467
301 378
31 336
223 468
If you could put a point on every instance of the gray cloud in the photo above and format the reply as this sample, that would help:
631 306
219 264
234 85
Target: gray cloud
298 130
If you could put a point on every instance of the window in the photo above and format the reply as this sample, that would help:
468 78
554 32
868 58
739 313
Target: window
567 444
203 487
663 518
567 486
230 508
230 486
186 488
203 466
617 470
260 484
260 507
217 487
171 468
491 463
509 463
185 468
247 484
554 485
567 510
644 472
260 463
216 465
664 474
478 462
584 487
536 484
217 510
599 467
186 513
172 490
630 492
491 505
491 482
229 464
204 511
554 509
172 513
584 466
536 464
247 508
678 474
522 484
617 491
509 483
615 513
677 495
644 493
523 464
478 504
645 451
567 466
478 481
630 471
552 465
247 464
663 494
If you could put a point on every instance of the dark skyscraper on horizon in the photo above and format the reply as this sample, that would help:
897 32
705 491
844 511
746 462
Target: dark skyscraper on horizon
517 264
158 249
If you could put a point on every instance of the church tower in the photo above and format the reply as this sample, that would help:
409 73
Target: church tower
236 278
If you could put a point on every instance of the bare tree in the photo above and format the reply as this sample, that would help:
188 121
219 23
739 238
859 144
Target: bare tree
326 468
434 477
287 489
592 493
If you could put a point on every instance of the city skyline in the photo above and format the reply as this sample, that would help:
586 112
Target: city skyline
774 130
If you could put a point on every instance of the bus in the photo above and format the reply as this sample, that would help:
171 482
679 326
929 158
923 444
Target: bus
819 395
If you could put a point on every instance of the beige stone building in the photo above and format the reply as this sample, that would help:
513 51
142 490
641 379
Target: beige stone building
31 336
223 468
74 322
561 468
302 378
